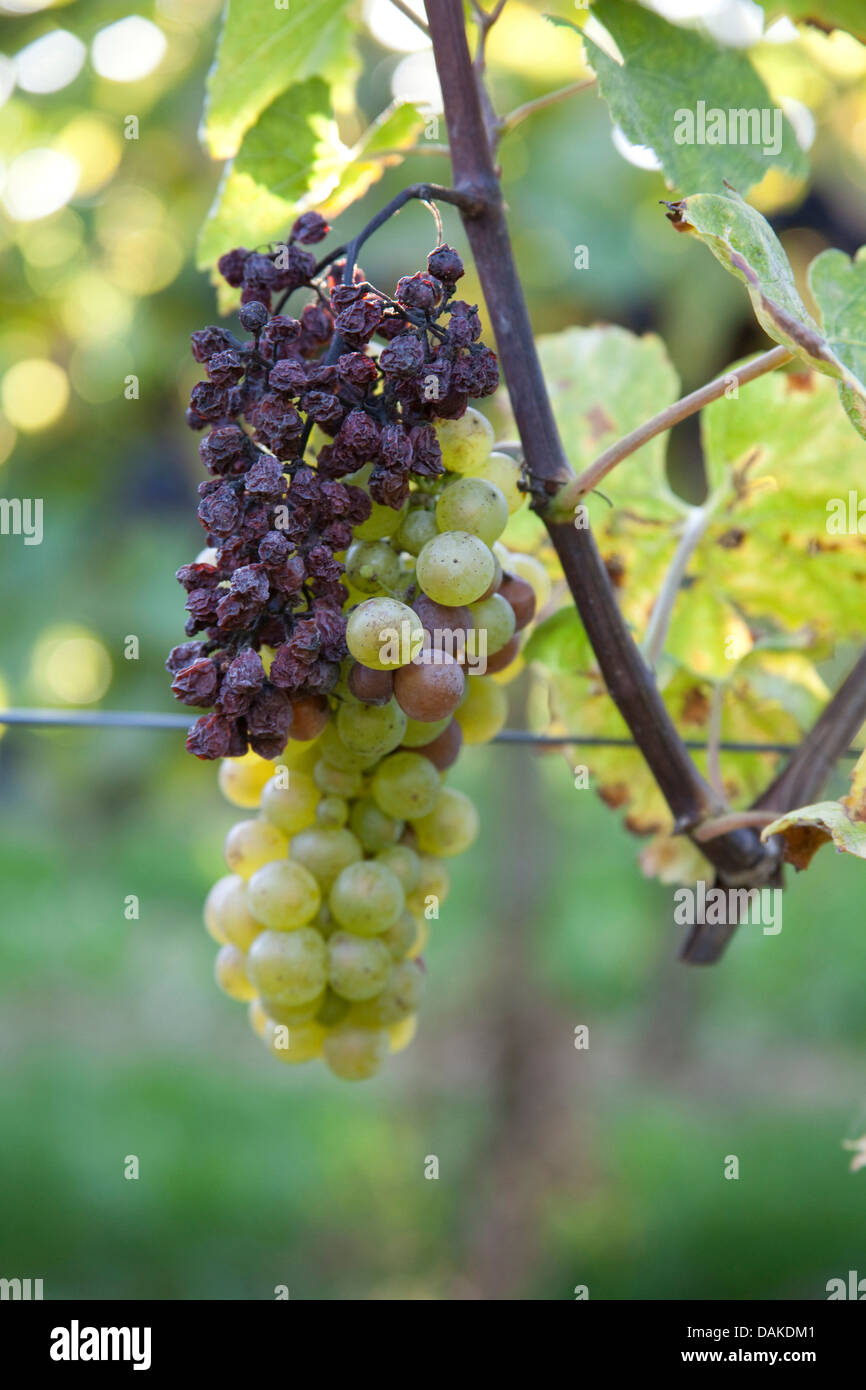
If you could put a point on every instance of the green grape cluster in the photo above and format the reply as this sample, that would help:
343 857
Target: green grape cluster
340 866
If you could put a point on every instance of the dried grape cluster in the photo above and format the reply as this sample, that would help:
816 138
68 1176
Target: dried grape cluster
351 624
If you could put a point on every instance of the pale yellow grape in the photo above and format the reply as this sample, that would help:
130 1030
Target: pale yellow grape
231 975
374 828
483 712
465 443
336 781
474 505
372 566
434 882
451 827
493 616
210 910
369 729
241 779
405 863
405 785
291 807
533 571
289 967
383 633
419 732
367 898
332 812
422 936
400 997
292 1014
299 1042
383 520
455 568
336 753
333 1009
358 966
252 843
502 470
400 936
416 530
401 1034
283 895
354 1054
257 1016
229 909
326 853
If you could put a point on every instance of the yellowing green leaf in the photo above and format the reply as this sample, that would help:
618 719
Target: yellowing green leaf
804 832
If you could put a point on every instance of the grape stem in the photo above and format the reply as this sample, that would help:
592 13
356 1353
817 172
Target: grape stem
739 854
693 527
507 123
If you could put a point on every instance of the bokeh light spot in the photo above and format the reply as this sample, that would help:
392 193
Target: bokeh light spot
128 50
70 666
34 393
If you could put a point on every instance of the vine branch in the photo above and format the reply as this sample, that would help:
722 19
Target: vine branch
630 684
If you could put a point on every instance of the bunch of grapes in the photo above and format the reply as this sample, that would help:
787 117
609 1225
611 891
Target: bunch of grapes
354 619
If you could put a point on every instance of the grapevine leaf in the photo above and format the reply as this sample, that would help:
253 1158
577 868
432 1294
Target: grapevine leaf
291 153
839 286
262 51
677 90
804 832
378 149
603 382
560 642
746 245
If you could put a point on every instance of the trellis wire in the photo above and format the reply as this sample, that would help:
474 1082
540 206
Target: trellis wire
134 719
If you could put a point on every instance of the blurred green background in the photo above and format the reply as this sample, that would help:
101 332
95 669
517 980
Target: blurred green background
557 1167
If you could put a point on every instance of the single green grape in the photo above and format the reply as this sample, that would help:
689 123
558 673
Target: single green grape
374 828
455 568
495 618
405 863
416 529
288 967
474 505
336 753
299 1042
291 807
358 966
367 898
283 895
433 887
228 910
372 566
505 472
336 781
451 826
384 633
465 443
371 728
332 812
231 975
484 711
400 997
325 853
406 785
354 1054
252 843
400 936
419 733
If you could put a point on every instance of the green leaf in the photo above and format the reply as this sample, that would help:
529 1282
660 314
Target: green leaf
262 51
677 90
603 382
395 130
745 244
825 14
292 152
560 643
839 286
